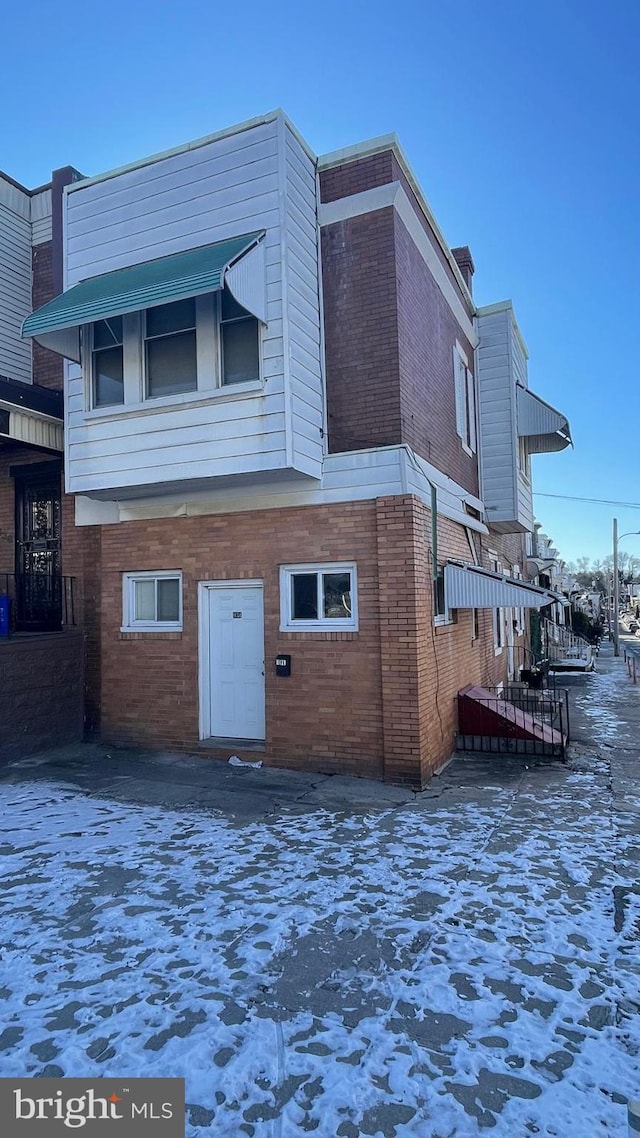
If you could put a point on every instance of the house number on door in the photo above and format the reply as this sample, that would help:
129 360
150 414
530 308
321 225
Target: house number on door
237 615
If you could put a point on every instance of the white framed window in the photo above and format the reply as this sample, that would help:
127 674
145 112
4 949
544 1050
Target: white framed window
197 344
107 362
152 601
319 597
465 396
170 349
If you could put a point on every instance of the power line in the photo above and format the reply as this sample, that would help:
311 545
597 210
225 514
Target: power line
591 501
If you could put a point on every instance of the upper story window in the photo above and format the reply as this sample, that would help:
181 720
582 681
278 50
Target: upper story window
197 344
465 394
170 349
107 364
239 335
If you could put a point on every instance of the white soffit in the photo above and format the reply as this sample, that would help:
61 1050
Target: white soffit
471 587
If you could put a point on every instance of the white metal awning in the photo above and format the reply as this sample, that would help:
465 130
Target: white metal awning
31 415
472 587
544 428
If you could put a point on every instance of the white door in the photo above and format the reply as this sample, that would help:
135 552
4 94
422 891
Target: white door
232 660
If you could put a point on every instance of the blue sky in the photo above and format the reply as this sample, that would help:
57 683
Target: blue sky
521 121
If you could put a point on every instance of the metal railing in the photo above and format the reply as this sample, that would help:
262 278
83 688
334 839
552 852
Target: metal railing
493 723
562 645
40 602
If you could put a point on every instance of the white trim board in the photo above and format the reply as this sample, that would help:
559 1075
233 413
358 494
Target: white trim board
394 194
351 476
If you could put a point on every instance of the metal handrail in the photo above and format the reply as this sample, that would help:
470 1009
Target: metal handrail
51 593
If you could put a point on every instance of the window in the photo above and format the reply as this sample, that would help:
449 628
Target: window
239 341
465 400
107 368
201 343
170 349
439 608
524 461
475 624
152 602
318 598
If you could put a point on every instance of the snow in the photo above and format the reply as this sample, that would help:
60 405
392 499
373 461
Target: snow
432 970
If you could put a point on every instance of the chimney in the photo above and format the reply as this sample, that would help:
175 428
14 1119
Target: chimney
465 263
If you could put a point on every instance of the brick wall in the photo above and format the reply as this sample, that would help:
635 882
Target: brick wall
361 332
427 333
379 702
389 340
47 366
327 715
375 170
40 693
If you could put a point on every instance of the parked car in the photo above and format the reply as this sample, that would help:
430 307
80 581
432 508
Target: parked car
638 631
633 626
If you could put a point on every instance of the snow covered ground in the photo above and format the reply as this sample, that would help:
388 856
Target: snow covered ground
463 964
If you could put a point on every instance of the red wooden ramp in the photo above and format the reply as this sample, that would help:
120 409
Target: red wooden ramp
482 713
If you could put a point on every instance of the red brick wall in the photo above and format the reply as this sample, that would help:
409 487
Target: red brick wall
427 333
327 715
379 702
389 339
375 170
47 366
361 332
356 176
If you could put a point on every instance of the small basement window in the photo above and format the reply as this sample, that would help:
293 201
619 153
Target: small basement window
318 598
152 602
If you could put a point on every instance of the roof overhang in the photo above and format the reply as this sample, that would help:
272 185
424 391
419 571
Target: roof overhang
540 564
472 587
239 263
544 428
30 415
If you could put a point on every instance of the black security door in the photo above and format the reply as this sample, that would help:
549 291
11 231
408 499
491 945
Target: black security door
38 580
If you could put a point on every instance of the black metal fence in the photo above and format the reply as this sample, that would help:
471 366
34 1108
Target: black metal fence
39 602
516 720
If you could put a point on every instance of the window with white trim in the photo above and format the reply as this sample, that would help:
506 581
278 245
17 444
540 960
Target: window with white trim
196 344
107 362
152 601
465 396
319 597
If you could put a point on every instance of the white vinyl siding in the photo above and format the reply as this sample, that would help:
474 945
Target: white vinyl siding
301 282
258 179
15 275
500 362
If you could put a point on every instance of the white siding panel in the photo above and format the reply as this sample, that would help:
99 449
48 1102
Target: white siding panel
15 287
41 217
497 417
260 179
303 307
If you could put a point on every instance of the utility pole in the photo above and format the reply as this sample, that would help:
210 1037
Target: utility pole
616 594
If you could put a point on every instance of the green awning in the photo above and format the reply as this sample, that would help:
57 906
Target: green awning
130 290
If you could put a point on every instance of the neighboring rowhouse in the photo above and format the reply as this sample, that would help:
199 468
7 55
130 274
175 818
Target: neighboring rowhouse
279 393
